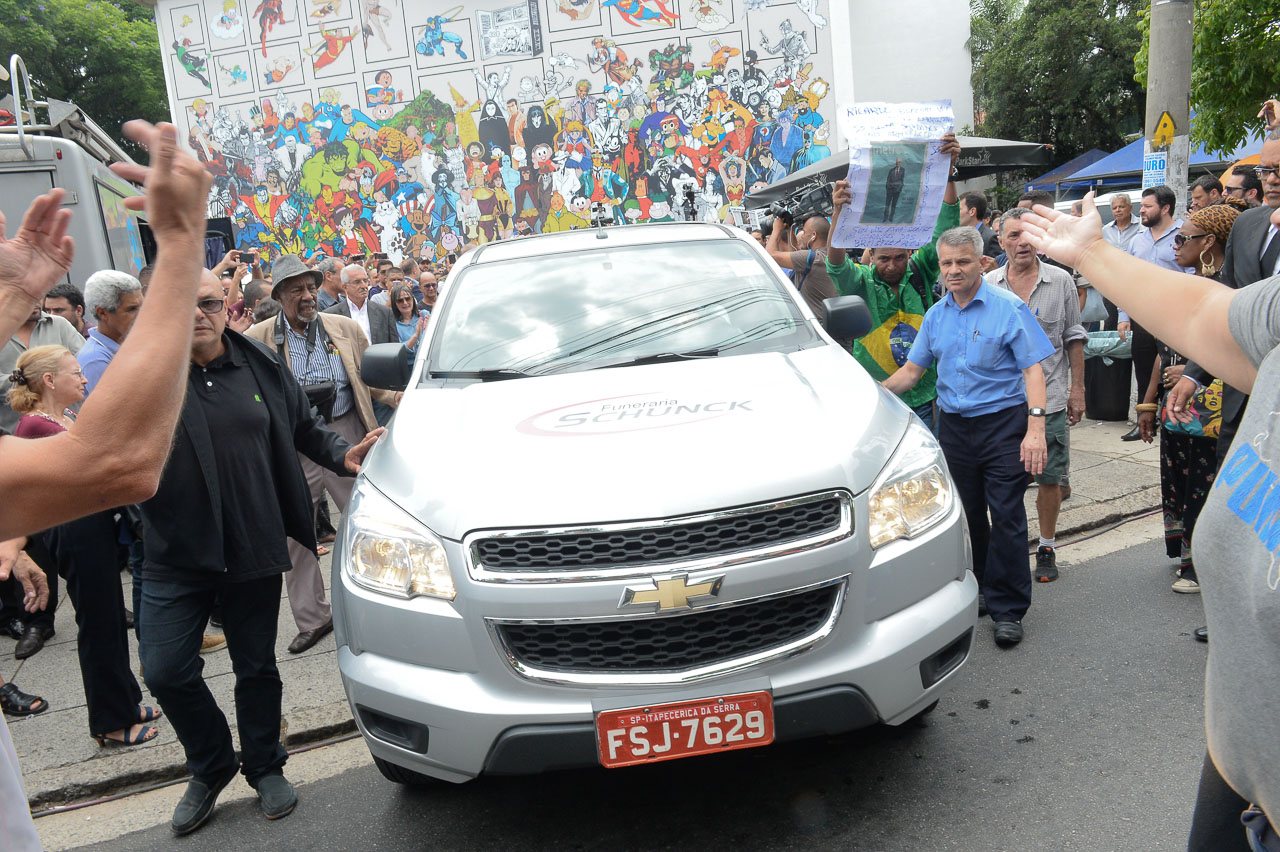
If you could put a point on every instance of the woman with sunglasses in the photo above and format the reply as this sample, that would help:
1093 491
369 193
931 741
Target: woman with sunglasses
410 323
1188 451
47 381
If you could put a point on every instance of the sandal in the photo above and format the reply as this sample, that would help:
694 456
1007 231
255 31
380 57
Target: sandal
15 702
146 733
321 550
149 714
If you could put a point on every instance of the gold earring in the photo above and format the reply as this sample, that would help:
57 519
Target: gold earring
1207 267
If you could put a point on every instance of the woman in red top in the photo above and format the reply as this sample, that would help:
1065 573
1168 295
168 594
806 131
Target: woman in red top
45 384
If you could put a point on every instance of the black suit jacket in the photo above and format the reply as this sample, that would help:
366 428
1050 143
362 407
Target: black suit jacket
382 325
182 523
1241 267
990 242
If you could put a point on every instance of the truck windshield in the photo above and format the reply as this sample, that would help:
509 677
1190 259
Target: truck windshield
609 307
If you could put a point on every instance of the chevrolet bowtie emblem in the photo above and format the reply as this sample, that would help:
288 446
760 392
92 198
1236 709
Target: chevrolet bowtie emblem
671 593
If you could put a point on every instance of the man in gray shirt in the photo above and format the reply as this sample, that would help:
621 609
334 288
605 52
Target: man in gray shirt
1050 292
40 329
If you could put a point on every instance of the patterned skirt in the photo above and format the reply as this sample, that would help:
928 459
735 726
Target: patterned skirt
1188 464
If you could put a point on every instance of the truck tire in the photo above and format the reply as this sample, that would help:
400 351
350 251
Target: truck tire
399 775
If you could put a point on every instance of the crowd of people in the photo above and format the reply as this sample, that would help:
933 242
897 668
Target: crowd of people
980 332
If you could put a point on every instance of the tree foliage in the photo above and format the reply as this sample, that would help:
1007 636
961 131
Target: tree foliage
102 56
1235 67
1057 71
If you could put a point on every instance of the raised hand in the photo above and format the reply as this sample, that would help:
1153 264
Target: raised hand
40 253
1063 237
176 184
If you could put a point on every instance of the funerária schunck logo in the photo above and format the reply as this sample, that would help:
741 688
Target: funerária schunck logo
630 413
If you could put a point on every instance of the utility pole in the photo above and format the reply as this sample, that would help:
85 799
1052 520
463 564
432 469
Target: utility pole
1167 147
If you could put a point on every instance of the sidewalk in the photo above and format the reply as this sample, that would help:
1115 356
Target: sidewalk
1110 480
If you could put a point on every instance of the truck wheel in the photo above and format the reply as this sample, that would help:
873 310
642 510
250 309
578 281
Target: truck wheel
399 775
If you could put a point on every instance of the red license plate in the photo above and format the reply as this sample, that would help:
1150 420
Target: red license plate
684 728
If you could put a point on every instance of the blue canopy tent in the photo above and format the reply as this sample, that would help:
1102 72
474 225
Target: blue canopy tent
1124 167
1049 180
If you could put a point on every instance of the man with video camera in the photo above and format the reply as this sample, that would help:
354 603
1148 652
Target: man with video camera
898 290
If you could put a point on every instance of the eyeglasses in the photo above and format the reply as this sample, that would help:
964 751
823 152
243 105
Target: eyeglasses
79 374
1179 240
1263 172
211 306
405 300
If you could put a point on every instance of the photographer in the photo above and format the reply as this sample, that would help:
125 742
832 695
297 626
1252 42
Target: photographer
807 259
885 349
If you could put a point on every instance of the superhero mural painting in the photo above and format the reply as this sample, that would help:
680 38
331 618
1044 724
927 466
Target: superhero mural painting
501 121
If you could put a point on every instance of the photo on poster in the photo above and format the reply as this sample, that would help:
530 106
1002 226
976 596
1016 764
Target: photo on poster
897 176
190 67
709 16
187 26
387 86
443 40
282 66
383 29
274 20
641 14
326 13
330 53
513 30
573 15
232 72
226 23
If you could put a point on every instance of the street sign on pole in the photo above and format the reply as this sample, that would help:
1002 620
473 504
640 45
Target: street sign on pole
1155 167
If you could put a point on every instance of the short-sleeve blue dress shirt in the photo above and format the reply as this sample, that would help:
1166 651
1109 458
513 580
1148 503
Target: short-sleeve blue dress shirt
981 350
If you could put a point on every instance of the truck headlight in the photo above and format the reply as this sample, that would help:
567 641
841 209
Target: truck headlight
388 551
913 493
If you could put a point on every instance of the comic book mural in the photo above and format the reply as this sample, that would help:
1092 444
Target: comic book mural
414 126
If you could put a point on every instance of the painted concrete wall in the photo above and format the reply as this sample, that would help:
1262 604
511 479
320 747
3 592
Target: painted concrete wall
408 126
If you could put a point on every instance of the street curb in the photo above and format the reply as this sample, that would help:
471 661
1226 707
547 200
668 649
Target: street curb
305 727
1085 519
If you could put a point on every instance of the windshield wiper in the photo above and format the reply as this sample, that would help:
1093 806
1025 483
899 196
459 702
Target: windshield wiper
489 375
661 357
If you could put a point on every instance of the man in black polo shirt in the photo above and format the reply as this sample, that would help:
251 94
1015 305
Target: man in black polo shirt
232 491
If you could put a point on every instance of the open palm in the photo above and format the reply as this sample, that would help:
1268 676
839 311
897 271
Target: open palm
40 253
1063 237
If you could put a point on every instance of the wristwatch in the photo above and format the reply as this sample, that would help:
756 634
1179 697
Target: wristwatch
1036 412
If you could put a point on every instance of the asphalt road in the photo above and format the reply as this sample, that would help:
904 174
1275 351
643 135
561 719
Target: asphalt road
1088 736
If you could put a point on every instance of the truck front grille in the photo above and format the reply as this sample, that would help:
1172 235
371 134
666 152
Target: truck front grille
671 643
656 543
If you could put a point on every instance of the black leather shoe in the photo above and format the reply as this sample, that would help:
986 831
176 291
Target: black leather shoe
197 803
307 638
1008 633
1201 634
14 627
32 641
277 796
982 605
1132 435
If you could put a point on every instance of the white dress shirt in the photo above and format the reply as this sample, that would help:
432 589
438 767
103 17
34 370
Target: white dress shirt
361 315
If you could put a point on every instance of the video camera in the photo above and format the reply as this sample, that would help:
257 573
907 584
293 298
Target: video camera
811 199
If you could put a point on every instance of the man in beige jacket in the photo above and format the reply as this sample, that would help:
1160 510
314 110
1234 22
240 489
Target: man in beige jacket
320 349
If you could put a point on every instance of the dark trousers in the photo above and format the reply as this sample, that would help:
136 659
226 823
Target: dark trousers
1215 826
84 552
1145 353
983 455
11 590
175 615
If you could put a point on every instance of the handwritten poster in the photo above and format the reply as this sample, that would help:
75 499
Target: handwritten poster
896 174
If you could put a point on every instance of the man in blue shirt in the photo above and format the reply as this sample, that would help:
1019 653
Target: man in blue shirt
112 298
991 399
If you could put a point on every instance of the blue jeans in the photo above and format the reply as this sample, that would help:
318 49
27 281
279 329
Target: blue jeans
925 413
175 615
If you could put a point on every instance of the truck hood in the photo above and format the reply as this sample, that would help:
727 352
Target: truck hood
637 442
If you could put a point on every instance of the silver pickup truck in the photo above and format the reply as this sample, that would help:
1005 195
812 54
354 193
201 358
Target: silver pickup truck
637 505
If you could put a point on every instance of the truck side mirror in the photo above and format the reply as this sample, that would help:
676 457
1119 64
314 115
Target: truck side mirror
845 317
386 366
